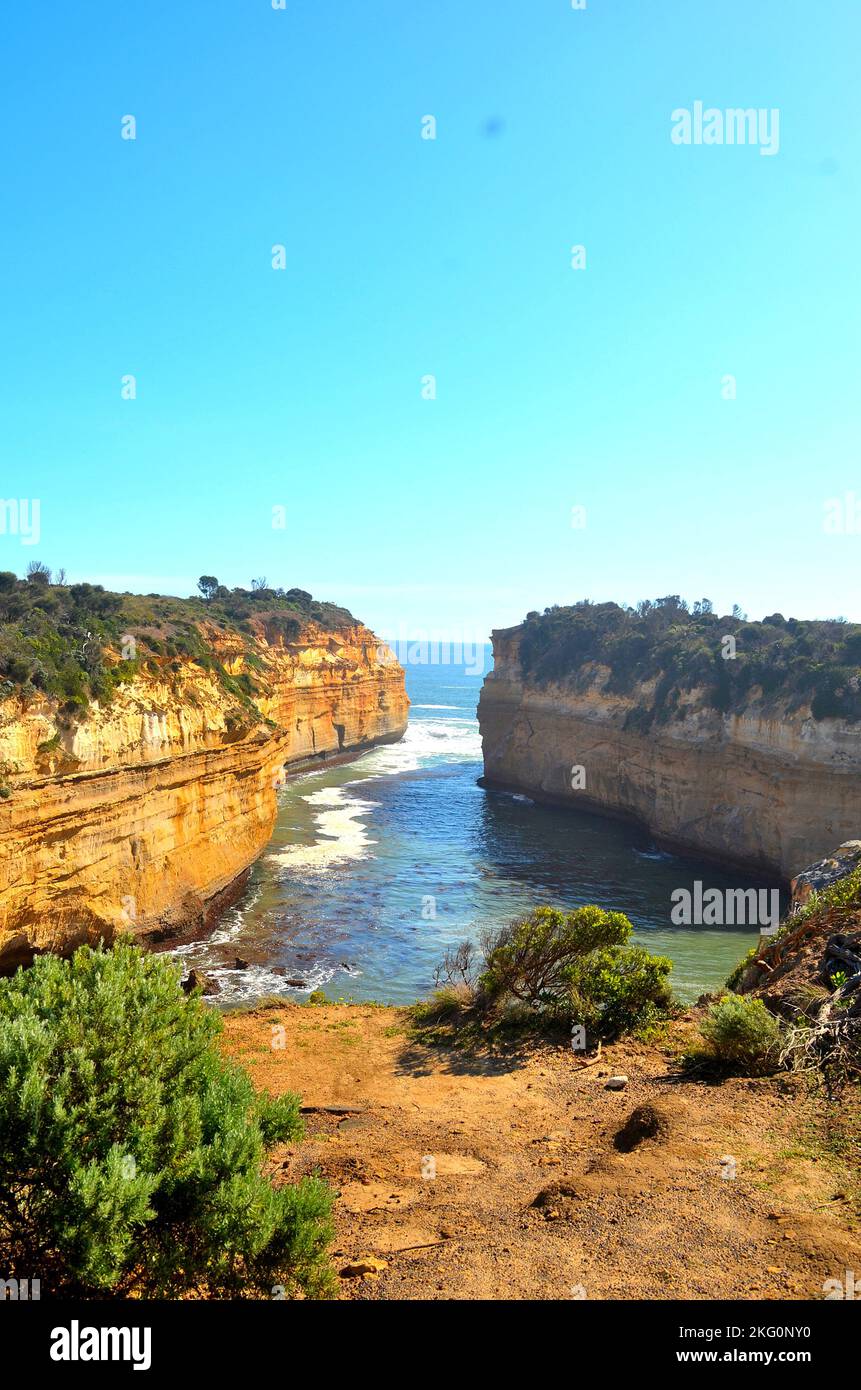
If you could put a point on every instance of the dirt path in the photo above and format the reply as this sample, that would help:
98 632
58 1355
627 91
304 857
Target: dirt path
440 1163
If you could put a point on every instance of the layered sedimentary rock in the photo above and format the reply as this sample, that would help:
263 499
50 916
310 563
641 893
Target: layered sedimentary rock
768 790
145 815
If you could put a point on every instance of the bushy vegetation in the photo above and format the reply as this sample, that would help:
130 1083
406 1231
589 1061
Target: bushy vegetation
841 900
823 1004
283 608
64 640
680 648
740 1033
735 976
131 1152
623 989
556 968
839 904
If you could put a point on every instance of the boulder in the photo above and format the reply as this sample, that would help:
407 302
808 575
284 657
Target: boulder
195 979
825 872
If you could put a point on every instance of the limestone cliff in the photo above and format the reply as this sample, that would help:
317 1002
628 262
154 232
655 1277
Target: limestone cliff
768 788
145 813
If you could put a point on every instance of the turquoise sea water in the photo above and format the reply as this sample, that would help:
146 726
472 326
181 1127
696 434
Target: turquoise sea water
376 866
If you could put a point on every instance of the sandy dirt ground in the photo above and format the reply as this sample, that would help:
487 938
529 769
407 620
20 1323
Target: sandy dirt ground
480 1175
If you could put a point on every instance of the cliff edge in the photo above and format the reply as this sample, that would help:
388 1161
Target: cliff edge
750 760
141 808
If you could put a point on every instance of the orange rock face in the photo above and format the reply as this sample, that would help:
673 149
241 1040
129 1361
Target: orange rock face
146 815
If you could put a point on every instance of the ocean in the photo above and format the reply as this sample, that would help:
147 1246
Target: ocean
378 865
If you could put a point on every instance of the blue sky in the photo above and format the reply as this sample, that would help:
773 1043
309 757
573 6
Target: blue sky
302 388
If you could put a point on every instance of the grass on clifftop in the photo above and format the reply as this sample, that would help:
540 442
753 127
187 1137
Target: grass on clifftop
54 636
779 661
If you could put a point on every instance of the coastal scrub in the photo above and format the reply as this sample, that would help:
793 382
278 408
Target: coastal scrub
132 1153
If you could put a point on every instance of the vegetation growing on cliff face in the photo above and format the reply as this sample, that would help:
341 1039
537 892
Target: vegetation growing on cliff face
132 1153
54 638
779 660
809 973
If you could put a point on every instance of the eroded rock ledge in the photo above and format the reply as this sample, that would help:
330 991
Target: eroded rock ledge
762 789
145 815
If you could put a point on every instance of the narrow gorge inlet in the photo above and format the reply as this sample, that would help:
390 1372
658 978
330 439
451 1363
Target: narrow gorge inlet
262 789
376 867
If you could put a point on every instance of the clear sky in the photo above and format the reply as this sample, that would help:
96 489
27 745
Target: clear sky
302 388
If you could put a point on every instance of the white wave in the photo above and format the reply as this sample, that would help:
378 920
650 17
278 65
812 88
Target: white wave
231 927
257 981
426 743
436 706
343 836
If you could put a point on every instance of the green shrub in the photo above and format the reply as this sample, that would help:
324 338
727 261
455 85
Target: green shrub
620 990
841 899
577 967
131 1152
741 1033
533 958
734 978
